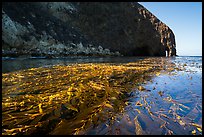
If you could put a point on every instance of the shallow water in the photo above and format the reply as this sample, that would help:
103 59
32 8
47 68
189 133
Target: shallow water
14 64
169 101
170 104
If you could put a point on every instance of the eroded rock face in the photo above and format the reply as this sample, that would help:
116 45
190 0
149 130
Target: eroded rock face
167 35
83 28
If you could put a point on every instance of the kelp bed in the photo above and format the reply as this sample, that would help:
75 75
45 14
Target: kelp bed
72 99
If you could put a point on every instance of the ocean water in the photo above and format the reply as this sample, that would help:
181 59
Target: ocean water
169 103
14 64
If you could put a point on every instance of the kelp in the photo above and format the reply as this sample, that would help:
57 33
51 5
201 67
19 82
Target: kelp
75 98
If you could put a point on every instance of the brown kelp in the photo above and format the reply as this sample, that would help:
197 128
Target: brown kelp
70 99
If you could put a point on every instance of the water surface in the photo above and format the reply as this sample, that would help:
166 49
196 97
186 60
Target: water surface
14 64
164 96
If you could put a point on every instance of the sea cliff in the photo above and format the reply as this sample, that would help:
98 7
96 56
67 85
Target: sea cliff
55 29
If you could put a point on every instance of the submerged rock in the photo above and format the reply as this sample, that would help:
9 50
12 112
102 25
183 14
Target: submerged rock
69 28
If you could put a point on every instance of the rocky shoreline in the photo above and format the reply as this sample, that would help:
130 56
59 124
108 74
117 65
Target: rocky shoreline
89 29
61 50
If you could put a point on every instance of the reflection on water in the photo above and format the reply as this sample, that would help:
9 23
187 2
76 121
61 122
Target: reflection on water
170 103
155 96
14 64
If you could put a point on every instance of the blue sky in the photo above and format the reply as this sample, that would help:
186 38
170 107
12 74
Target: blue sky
185 20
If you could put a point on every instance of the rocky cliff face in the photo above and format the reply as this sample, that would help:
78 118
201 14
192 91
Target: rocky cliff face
83 28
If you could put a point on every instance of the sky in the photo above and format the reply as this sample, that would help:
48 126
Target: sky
185 20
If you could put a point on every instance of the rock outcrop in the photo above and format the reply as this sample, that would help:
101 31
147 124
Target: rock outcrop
83 28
